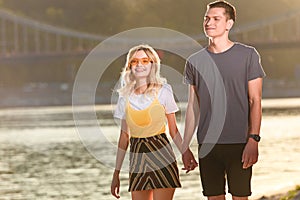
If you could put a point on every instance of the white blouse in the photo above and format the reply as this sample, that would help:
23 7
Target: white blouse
141 101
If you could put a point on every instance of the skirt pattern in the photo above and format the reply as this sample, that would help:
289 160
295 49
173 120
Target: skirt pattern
152 164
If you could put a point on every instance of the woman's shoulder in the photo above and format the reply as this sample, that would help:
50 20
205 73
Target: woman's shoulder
166 88
122 99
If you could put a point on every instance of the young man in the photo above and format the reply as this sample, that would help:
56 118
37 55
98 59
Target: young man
225 87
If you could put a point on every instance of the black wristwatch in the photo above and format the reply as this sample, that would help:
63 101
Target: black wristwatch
255 137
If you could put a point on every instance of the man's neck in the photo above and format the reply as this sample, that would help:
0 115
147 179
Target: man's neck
219 45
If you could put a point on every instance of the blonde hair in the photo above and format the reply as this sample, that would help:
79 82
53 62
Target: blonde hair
154 79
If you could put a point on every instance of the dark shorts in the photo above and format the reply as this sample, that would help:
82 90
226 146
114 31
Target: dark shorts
225 161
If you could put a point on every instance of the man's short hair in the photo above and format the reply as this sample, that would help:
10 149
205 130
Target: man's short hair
230 11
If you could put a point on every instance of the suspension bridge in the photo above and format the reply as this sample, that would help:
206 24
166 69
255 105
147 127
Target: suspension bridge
24 37
29 41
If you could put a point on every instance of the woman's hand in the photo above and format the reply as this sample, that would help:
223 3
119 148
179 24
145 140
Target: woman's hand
189 161
115 185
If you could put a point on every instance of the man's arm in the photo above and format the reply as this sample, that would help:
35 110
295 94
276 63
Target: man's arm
250 154
191 122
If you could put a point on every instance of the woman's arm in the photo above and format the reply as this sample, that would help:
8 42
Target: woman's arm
122 147
174 133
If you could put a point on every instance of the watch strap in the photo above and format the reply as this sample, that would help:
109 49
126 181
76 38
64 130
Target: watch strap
256 137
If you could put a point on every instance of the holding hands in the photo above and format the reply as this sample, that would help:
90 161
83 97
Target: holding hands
189 161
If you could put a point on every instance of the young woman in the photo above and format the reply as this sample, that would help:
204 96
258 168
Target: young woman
145 102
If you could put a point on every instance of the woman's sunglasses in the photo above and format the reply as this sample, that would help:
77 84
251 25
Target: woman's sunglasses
143 61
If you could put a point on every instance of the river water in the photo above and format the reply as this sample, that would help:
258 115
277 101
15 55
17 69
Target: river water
44 155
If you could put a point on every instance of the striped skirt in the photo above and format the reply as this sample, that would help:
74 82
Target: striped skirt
152 164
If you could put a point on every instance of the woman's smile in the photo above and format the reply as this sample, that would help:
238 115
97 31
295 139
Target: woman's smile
140 69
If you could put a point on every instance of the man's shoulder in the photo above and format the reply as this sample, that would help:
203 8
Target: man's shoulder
199 54
244 47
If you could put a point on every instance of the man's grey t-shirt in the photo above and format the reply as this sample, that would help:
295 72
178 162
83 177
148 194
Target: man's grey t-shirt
230 72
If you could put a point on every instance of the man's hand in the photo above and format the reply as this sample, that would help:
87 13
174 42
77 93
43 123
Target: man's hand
250 154
189 161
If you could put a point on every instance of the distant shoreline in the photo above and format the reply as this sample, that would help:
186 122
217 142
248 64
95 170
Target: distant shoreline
60 94
267 103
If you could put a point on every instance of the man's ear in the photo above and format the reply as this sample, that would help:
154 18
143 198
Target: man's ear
230 23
